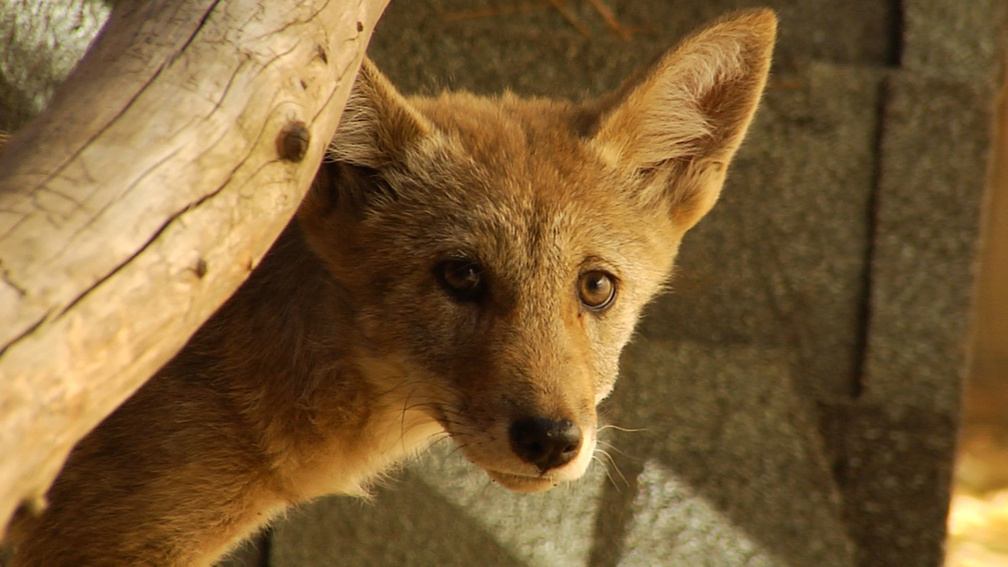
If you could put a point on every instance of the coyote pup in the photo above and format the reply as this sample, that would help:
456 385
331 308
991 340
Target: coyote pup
462 264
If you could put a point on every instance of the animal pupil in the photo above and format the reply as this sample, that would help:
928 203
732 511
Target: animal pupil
462 278
597 290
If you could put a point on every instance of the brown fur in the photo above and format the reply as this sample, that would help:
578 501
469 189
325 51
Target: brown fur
344 352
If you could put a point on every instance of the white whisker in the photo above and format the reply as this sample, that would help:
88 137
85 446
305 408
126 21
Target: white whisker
622 429
615 466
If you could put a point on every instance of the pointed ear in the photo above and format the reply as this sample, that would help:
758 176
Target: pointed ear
378 123
377 130
679 123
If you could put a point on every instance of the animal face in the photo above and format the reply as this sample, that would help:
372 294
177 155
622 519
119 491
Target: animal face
499 251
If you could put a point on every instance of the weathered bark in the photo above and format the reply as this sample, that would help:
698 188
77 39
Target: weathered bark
142 197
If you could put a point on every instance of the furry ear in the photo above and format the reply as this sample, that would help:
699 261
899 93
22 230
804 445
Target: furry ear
377 124
377 130
681 121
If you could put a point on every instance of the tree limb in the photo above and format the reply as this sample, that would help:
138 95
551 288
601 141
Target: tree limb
160 174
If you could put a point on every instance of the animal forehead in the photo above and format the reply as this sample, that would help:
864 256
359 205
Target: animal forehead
526 187
507 136
542 238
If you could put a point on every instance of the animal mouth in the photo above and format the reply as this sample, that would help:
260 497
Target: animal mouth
546 453
522 483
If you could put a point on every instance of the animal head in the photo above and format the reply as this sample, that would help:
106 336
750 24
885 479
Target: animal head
502 249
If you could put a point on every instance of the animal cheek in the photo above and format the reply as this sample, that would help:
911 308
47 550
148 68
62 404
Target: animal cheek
604 386
599 349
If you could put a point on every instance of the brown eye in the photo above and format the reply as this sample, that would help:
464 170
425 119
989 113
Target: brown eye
597 290
461 278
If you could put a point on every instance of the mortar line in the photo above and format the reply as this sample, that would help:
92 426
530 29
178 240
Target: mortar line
871 233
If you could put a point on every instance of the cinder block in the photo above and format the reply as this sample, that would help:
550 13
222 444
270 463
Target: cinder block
936 140
692 530
895 476
729 472
735 472
953 39
894 446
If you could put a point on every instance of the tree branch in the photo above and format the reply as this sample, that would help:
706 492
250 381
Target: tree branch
160 174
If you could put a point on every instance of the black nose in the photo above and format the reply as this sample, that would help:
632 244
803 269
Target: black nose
545 443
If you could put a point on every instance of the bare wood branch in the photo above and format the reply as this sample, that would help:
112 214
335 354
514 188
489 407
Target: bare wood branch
137 203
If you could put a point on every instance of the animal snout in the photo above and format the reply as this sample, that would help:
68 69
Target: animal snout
546 443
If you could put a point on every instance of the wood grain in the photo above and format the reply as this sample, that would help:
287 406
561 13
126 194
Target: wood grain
145 194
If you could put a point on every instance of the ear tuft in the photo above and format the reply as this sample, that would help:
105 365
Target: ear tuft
698 100
679 124
377 124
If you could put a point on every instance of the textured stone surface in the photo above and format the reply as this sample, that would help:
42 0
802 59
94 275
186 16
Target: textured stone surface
895 446
729 471
951 38
731 455
407 524
934 149
895 475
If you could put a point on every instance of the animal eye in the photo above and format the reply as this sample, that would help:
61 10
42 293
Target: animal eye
461 278
597 290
